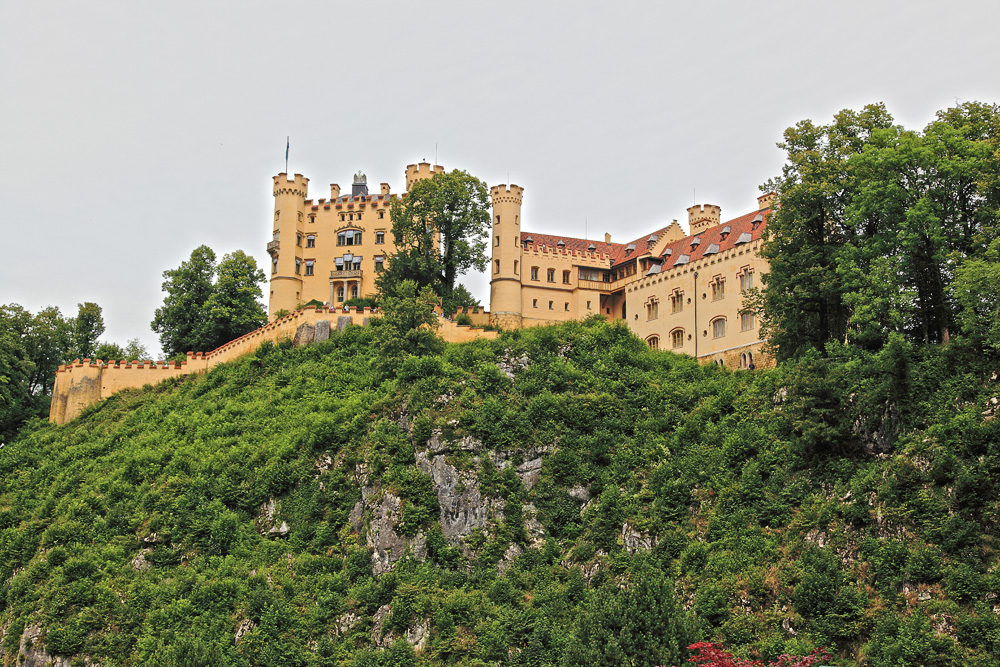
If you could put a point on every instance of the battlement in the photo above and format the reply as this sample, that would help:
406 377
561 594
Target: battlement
416 172
507 194
297 185
703 216
563 253
766 201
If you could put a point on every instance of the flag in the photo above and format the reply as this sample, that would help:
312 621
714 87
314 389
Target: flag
287 144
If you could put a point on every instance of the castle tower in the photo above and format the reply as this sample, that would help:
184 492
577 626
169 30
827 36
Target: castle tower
416 172
289 219
701 218
506 265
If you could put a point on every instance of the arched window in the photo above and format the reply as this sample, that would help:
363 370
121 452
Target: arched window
718 327
653 342
340 293
354 291
677 338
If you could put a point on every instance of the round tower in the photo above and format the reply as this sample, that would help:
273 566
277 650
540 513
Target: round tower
289 218
506 265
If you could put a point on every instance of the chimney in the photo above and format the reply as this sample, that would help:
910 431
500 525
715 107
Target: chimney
607 237
765 201
385 189
334 192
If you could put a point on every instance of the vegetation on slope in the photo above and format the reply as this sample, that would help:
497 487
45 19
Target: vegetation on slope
849 502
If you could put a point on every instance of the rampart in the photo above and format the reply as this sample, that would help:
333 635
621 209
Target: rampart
83 383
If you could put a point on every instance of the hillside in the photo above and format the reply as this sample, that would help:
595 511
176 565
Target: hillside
558 496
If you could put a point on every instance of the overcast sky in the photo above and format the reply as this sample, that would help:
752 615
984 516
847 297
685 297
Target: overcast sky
134 132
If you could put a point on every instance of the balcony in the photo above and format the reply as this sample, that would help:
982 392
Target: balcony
272 248
346 275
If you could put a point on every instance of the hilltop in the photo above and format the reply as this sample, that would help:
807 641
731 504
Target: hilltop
556 496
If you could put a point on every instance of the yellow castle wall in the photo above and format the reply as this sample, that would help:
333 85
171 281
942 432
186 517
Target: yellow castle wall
83 383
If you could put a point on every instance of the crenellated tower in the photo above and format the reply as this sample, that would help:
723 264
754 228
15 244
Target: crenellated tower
506 265
289 223
416 172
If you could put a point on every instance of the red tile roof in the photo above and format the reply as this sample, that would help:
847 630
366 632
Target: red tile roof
737 226
615 250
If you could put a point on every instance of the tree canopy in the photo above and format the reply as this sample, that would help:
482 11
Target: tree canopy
875 226
208 305
440 229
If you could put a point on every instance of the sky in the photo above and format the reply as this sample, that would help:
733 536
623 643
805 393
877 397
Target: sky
131 133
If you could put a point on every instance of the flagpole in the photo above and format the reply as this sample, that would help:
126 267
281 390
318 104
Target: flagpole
287 146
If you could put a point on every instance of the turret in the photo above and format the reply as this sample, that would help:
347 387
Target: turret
289 218
506 265
415 172
701 218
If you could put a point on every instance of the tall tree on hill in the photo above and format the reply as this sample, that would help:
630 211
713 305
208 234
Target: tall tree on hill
201 312
86 328
873 224
440 229
802 303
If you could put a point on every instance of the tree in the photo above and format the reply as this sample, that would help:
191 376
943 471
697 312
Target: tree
975 289
16 401
201 313
440 229
233 308
86 328
408 323
802 303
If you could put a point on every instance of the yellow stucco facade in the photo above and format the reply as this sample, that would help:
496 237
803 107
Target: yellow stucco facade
330 250
681 291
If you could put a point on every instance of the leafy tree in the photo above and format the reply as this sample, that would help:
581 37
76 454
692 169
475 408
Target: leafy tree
15 372
208 305
408 322
233 308
86 328
463 298
440 229
975 290
802 303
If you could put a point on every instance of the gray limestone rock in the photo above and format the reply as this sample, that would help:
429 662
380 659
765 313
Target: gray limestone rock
304 334
31 651
463 507
344 321
387 545
322 331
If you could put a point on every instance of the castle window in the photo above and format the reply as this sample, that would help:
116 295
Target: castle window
351 216
349 237
359 215
551 275
746 279
379 238
298 239
652 310
274 265
566 306
718 288
341 217
300 216
310 241
309 267
719 327
676 301
534 273
515 267
496 240
354 291
588 305
340 293
277 214
312 217
298 265
496 266
379 264
747 320
566 277
591 274
381 215
550 305
534 303
275 234
677 338
653 342
498 220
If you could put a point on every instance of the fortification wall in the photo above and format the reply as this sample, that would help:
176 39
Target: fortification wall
83 383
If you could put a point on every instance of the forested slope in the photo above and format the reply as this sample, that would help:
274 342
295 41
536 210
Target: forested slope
559 496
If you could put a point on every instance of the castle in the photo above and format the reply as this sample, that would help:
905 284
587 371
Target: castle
676 290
